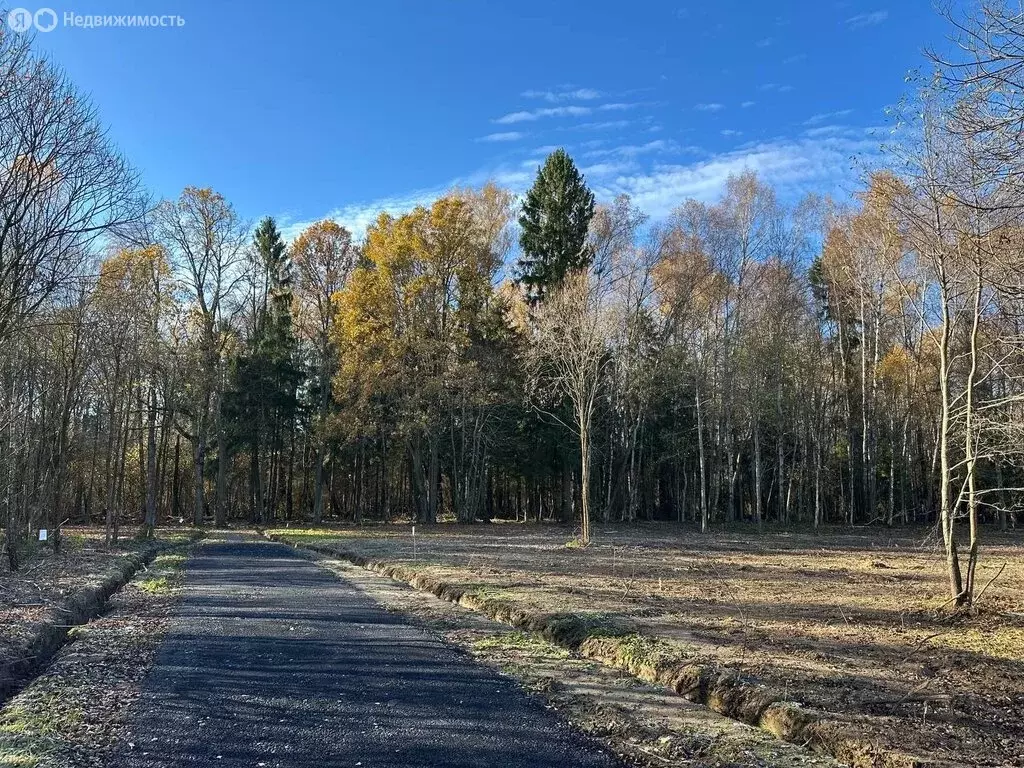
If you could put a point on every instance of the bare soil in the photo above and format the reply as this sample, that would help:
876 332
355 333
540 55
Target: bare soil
34 599
849 623
75 712
642 724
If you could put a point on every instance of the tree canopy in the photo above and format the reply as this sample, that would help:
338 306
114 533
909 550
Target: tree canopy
554 223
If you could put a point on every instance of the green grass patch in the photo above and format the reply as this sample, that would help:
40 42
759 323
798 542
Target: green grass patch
315 535
643 652
519 642
163 575
17 758
155 585
306 536
571 629
485 593
44 716
171 562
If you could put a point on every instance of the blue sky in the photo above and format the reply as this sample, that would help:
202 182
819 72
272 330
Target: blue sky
318 108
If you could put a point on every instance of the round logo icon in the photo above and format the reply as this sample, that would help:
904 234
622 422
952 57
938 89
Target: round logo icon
45 19
20 19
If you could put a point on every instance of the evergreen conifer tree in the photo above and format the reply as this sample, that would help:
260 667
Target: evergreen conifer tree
554 221
262 402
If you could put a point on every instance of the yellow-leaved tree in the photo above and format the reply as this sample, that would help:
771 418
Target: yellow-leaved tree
324 257
413 323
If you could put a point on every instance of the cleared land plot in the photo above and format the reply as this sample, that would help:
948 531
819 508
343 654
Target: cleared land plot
849 624
644 724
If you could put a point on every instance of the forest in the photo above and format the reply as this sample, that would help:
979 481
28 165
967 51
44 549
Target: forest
537 357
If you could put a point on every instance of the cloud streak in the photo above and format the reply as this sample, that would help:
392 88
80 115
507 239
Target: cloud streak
536 114
818 161
822 117
503 136
606 125
356 217
631 151
795 167
862 20
577 94
572 110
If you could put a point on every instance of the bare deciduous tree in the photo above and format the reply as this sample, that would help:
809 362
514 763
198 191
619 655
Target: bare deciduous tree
570 353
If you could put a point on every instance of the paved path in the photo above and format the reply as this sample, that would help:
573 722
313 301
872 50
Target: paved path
272 661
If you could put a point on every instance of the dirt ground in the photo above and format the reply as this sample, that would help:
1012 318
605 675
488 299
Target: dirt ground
29 597
75 712
644 725
849 623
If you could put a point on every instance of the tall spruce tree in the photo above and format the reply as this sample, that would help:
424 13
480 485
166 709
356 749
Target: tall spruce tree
556 213
265 377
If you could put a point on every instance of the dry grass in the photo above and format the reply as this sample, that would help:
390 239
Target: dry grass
33 597
646 725
74 714
848 623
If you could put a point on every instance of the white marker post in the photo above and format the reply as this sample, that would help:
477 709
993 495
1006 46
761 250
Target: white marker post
42 534
414 557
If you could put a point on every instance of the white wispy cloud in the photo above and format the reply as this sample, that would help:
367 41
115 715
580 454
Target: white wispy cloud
503 136
658 146
765 42
576 94
795 58
823 116
730 132
827 130
537 114
545 150
713 106
795 167
514 179
606 125
819 161
862 20
747 104
607 169
358 216
776 88
574 110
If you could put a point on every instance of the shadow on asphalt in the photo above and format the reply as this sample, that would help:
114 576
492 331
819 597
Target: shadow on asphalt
273 662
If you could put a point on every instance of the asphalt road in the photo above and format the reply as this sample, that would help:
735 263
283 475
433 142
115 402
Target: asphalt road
272 661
